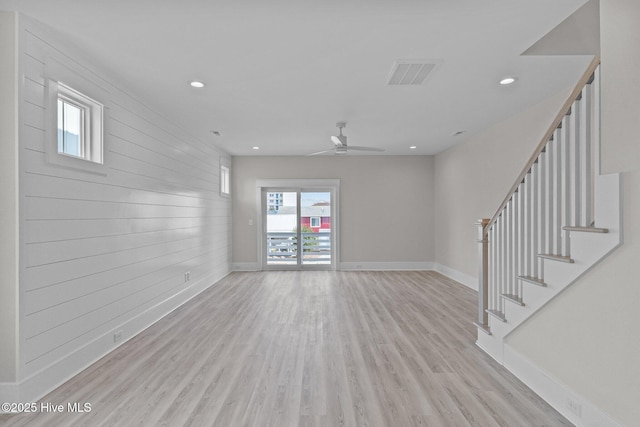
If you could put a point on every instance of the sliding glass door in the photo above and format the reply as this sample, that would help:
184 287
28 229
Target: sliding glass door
298 230
280 227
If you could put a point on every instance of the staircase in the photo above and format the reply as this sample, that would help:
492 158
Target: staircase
560 218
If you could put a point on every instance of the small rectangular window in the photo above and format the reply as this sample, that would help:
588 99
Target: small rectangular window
315 221
225 187
79 125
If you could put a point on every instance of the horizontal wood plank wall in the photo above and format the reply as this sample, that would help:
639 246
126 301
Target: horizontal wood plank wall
96 251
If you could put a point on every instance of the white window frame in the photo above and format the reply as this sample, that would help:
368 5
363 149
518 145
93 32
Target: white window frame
91 147
225 181
317 218
91 138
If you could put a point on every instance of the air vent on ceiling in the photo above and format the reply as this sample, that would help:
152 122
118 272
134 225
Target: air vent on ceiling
408 72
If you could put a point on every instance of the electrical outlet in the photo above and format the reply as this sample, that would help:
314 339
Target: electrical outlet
574 406
117 337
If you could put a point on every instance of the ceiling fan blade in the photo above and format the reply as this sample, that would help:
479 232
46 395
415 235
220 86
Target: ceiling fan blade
321 152
357 148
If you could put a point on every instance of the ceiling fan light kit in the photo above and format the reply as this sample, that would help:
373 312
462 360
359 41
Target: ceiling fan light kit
340 140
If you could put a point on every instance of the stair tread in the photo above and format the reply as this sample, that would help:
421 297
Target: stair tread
513 298
483 328
497 314
533 280
586 229
555 257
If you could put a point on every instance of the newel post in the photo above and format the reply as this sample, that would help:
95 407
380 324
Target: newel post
483 275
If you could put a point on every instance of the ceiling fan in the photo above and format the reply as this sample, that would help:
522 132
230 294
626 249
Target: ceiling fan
340 144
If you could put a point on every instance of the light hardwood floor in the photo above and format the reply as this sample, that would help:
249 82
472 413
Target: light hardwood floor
306 349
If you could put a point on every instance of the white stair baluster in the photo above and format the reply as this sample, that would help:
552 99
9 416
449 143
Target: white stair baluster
542 211
566 172
585 156
528 226
557 194
509 237
493 264
521 270
501 263
549 202
497 262
535 218
503 253
515 244
576 137
595 139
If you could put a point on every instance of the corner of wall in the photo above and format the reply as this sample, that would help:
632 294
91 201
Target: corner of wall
8 196
469 281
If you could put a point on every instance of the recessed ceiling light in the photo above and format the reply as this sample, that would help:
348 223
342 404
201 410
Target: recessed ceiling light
508 81
413 147
256 148
197 84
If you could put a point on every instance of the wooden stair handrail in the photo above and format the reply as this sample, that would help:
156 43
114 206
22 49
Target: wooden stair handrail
545 139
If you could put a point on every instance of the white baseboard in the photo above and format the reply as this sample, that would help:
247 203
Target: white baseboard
555 393
385 266
39 384
465 279
353 266
245 266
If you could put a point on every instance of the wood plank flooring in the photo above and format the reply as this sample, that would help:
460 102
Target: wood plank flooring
305 349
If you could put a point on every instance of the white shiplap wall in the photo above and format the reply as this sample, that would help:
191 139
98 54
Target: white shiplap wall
100 253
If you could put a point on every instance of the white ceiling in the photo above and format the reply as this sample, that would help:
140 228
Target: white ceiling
279 74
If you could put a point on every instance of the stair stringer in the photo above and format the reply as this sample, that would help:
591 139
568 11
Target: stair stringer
587 249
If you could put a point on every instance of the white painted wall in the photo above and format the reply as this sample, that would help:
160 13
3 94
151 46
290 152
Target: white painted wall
386 204
99 253
588 337
472 179
9 197
620 38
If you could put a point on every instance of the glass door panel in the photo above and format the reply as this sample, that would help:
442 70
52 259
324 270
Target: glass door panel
315 227
281 227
